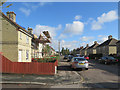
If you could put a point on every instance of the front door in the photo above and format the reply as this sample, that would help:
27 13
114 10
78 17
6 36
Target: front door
20 56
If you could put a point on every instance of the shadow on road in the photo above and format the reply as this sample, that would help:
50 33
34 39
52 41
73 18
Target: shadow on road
65 68
114 69
110 85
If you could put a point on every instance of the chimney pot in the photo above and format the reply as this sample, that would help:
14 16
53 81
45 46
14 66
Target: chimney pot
11 15
30 30
110 37
87 45
95 42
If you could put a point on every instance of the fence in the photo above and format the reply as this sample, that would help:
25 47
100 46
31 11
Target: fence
27 67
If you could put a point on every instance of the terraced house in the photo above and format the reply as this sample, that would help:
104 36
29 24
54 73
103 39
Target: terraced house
84 50
118 48
92 49
16 41
108 47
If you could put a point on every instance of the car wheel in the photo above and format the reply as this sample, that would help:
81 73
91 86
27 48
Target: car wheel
86 68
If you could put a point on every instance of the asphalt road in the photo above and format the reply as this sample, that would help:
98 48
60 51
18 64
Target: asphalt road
98 75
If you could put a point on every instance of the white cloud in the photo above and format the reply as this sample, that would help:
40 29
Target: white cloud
25 11
66 44
85 38
62 36
76 28
52 30
43 3
29 7
102 38
78 17
69 44
91 43
89 21
105 17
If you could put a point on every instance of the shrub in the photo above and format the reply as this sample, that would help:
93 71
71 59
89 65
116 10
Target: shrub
44 60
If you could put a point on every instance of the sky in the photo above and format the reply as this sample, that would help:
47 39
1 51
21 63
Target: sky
74 24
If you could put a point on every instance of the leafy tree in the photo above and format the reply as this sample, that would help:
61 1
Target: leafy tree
2 3
65 51
46 50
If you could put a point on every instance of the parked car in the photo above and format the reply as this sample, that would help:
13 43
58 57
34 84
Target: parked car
66 57
86 57
79 62
108 60
70 58
77 55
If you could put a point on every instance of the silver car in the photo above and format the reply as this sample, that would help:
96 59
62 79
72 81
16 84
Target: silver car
79 62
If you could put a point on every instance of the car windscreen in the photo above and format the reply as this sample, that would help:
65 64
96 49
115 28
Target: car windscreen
79 59
110 57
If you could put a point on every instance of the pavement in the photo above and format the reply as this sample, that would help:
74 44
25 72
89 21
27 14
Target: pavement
65 76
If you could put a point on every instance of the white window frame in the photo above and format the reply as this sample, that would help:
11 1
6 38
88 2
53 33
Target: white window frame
27 39
27 54
20 35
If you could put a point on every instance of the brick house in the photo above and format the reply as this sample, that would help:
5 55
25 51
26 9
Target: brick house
92 49
108 47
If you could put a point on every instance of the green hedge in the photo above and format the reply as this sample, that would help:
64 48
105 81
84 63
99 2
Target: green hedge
44 60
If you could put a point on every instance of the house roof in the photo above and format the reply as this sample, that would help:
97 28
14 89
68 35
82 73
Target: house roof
52 48
118 41
93 46
14 23
47 34
85 48
43 40
110 42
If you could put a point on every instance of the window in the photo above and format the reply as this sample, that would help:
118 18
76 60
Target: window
20 35
27 39
27 54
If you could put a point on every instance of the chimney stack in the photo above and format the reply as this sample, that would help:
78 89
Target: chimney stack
87 45
12 16
30 30
109 37
95 42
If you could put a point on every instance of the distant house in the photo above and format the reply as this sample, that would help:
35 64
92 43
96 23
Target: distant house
80 51
118 48
84 50
44 38
108 47
92 49
39 44
16 40
35 47
77 51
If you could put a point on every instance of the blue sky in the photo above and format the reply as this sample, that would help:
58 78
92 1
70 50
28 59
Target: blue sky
73 23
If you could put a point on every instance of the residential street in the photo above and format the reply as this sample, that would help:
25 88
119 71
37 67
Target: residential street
98 76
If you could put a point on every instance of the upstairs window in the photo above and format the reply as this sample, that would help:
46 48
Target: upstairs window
27 39
20 35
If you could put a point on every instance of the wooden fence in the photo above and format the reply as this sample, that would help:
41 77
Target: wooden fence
27 67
